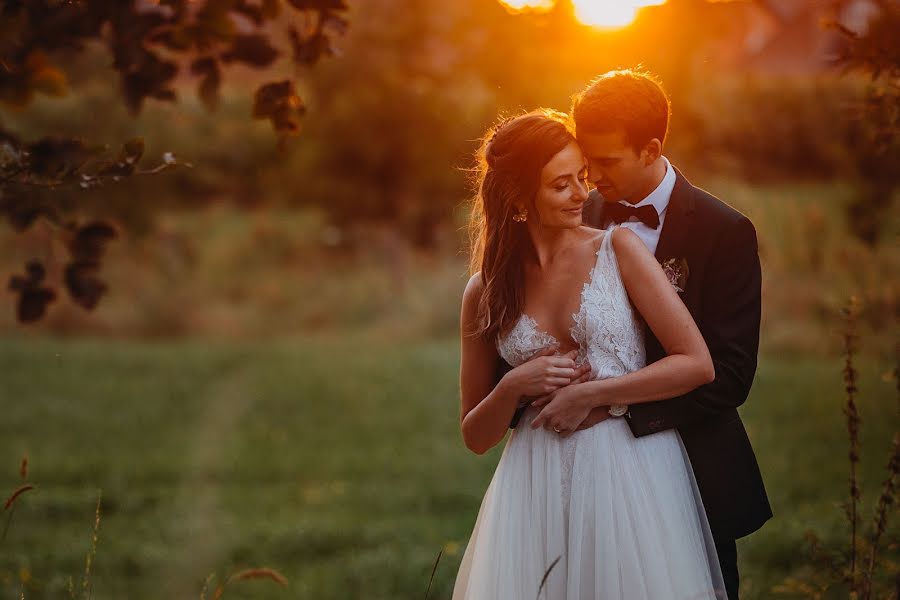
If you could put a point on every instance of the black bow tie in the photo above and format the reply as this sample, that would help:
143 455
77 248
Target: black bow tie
620 213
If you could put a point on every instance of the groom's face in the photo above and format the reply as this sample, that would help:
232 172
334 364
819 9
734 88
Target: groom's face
614 167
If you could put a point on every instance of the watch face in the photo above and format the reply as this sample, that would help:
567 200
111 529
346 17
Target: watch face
618 410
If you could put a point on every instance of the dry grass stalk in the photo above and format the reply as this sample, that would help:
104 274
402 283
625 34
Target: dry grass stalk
887 498
853 422
205 587
259 573
885 501
254 573
85 583
23 468
11 506
433 571
18 492
546 575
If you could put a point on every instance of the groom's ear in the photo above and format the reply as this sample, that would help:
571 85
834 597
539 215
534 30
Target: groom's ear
651 152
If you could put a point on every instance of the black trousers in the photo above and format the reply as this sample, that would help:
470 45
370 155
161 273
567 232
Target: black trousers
727 551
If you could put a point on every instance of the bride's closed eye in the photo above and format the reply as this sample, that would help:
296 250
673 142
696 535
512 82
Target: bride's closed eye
582 177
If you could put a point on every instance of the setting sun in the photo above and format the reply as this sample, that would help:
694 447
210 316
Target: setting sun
597 13
610 13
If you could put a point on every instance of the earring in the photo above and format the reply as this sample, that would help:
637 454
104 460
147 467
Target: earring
521 216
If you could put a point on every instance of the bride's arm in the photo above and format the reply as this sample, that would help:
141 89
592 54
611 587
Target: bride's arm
487 405
486 409
687 363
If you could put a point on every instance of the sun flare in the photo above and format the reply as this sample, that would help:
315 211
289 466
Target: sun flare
609 14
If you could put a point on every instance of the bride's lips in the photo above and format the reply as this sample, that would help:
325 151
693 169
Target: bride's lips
574 211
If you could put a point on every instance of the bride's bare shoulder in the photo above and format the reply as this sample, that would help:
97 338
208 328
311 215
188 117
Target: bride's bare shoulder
625 241
474 290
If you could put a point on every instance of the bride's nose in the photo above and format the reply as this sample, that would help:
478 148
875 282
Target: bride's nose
580 192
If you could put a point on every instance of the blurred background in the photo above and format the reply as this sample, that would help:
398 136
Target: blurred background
271 377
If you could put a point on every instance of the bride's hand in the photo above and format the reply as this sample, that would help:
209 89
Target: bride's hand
582 374
543 373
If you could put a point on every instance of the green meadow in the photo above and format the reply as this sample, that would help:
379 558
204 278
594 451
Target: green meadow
336 460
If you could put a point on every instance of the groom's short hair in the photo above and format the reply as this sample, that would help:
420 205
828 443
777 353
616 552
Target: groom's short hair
626 99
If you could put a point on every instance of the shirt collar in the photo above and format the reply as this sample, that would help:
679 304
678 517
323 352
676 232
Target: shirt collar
659 198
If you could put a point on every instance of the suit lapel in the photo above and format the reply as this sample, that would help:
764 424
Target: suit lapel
678 218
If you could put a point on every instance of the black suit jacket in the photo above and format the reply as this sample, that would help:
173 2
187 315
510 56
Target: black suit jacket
722 293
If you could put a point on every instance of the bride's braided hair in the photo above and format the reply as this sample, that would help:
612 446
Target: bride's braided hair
509 162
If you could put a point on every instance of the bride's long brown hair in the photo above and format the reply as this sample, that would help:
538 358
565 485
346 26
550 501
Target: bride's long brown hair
509 162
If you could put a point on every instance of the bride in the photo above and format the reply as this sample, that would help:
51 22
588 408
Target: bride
616 517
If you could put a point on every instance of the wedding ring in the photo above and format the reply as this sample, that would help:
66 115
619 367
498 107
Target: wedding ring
557 430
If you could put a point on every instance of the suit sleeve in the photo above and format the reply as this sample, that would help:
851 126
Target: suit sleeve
729 322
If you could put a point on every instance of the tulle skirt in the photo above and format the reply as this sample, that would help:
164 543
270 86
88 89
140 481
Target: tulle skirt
622 515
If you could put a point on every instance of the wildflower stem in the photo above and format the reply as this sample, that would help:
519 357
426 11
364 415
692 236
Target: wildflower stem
853 421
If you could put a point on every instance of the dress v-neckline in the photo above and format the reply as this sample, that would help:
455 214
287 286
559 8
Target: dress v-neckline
584 288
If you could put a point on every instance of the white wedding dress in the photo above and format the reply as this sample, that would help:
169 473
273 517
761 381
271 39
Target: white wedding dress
623 514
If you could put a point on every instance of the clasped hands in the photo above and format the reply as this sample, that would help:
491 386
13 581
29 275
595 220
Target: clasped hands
553 383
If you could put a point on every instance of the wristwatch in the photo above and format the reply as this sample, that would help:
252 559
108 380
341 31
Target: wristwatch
618 410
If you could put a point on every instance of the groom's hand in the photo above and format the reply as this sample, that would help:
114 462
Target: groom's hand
598 414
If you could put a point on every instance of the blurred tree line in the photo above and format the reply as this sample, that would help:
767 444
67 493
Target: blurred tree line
393 120
149 42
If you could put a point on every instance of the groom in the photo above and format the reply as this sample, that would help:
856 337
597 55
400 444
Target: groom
709 251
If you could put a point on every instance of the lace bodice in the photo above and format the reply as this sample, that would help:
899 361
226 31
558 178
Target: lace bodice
608 332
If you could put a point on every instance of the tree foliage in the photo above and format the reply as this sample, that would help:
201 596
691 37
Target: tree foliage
150 43
876 51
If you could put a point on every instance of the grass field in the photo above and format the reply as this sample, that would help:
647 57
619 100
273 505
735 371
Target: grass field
337 461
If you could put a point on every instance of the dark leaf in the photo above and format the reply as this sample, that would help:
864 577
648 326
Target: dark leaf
271 96
129 32
307 50
35 270
33 297
17 283
208 68
254 50
89 242
287 120
279 103
149 78
84 287
33 303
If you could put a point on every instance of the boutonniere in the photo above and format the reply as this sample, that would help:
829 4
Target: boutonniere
677 271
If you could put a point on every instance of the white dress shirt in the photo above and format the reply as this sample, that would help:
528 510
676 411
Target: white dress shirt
659 199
